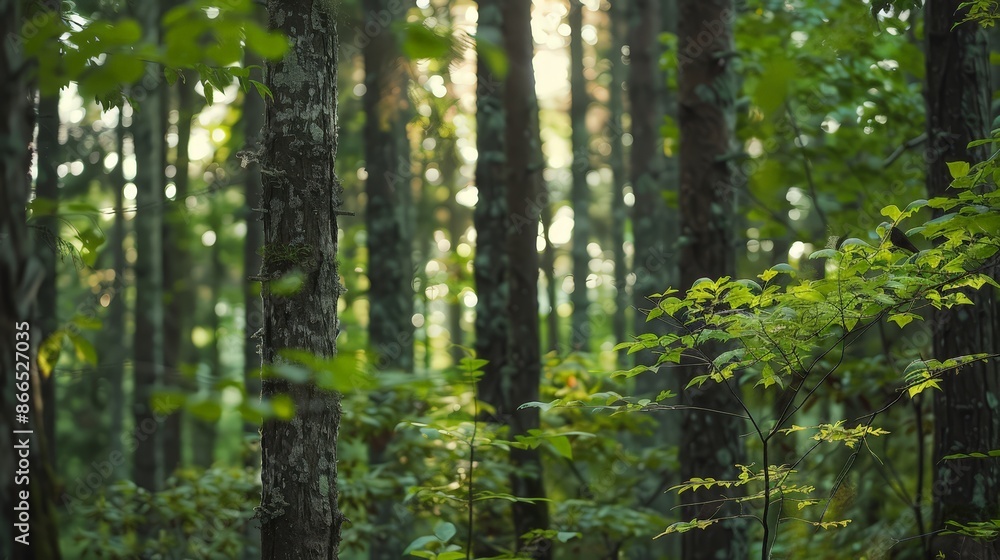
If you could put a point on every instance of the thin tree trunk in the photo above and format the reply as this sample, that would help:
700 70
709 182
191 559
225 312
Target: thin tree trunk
299 514
47 187
114 356
580 166
710 442
388 165
490 216
21 275
965 417
177 280
524 199
147 465
549 272
619 214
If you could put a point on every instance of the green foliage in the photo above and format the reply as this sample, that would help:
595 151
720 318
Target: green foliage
112 63
791 333
200 514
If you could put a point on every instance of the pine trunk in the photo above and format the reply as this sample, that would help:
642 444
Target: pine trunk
299 512
580 166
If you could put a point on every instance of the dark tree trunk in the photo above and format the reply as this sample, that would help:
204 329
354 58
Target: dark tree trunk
524 198
549 272
177 280
21 275
147 132
649 212
387 162
490 216
47 187
299 514
390 271
619 215
965 417
112 360
710 442
581 165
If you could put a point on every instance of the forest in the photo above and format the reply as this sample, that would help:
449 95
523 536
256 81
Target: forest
500 279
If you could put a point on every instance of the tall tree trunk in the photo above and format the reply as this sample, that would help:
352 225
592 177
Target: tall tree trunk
524 198
253 120
47 187
177 281
581 165
28 500
619 216
112 360
388 165
549 272
387 161
965 417
490 216
300 517
147 464
710 442
649 211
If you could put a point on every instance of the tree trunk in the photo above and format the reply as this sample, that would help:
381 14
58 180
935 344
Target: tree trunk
147 465
965 418
581 165
619 216
490 216
112 360
26 499
47 187
388 165
177 280
649 212
524 200
300 517
710 442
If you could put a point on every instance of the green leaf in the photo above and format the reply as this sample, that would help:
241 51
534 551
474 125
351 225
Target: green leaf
958 169
444 531
892 212
421 42
562 446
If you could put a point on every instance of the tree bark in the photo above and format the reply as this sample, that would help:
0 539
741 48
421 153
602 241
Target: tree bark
47 187
177 280
21 275
490 215
525 197
387 162
617 14
965 418
649 211
147 464
580 166
300 517
710 442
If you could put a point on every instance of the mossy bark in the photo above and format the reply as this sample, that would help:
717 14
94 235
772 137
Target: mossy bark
299 512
